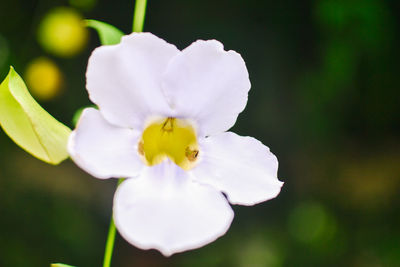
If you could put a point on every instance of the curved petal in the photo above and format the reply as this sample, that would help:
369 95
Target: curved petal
124 80
208 84
241 167
165 210
102 149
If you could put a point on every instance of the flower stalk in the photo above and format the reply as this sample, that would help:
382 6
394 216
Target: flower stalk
139 15
110 238
138 21
109 244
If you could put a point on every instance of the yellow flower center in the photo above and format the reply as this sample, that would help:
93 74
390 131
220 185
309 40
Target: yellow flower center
172 138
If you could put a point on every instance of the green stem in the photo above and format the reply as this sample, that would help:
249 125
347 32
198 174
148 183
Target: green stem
138 16
109 244
138 21
110 239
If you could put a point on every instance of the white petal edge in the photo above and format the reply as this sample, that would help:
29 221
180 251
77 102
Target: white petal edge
104 150
124 80
164 210
241 167
207 84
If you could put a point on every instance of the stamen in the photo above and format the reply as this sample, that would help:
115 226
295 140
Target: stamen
141 148
169 137
191 154
168 125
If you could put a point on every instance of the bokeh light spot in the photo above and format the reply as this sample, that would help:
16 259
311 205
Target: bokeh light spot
259 251
311 223
62 32
44 79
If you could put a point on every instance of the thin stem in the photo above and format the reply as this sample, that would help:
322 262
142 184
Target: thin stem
109 244
138 15
138 21
110 239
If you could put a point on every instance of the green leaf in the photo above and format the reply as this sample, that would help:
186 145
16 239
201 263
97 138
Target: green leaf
60 265
28 124
108 34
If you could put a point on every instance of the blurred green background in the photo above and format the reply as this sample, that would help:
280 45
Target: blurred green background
325 98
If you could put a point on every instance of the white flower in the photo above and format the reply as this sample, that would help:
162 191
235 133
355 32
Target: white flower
162 122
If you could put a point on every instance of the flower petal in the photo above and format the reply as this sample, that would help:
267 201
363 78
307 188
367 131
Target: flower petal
102 149
208 84
165 210
124 80
241 167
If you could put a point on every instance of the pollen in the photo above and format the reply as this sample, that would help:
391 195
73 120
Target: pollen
169 138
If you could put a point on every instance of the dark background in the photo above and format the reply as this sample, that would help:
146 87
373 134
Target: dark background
325 99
